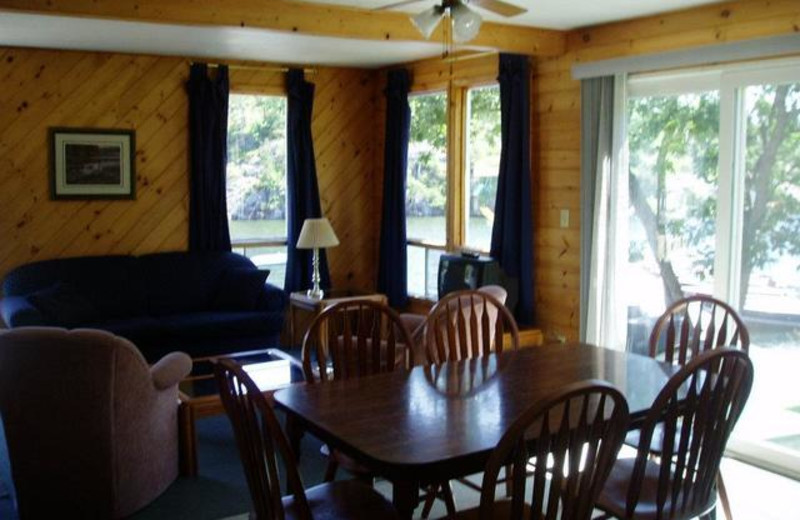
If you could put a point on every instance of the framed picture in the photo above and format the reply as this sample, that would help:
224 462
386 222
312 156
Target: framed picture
92 163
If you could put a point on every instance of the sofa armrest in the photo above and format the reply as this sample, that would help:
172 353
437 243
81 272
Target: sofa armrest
18 311
272 299
170 369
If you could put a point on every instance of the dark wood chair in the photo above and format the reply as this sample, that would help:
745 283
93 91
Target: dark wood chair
687 328
468 324
355 338
572 439
697 410
261 442
694 325
352 339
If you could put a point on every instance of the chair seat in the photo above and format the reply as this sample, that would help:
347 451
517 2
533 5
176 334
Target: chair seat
614 496
343 499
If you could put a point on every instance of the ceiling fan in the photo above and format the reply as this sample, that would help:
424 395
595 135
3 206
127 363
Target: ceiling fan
466 22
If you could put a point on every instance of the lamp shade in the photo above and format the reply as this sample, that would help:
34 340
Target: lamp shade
317 233
427 20
466 23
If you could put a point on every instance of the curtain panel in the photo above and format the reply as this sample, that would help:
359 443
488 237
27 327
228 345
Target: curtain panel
392 266
603 198
512 232
301 184
208 134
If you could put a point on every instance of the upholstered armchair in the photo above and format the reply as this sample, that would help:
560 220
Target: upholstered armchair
92 430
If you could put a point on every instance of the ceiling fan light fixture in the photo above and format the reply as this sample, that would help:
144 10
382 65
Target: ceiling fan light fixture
427 20
466 23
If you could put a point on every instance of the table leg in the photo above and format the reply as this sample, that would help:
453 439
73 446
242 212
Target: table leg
294 432
187 441
405 497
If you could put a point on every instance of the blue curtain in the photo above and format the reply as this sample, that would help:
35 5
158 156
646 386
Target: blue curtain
301 184
208 135
512 233
392 273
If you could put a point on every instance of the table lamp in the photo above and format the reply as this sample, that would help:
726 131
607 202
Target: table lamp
316 233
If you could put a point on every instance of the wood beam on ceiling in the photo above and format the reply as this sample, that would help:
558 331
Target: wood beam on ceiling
298 17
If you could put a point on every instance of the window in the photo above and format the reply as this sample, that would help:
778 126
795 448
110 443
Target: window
450 207
483 165
714 207
256 180
426 191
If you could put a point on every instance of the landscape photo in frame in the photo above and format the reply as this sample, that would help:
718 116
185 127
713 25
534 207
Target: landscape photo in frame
92 163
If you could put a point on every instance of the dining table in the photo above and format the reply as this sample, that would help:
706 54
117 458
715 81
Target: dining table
438 422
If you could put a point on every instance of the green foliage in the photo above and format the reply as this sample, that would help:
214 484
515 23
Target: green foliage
256 171
426 179
426 184
672 135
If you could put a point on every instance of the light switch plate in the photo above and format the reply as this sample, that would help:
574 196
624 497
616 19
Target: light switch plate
564 218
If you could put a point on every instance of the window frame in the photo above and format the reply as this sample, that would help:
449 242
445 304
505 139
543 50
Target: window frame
456 90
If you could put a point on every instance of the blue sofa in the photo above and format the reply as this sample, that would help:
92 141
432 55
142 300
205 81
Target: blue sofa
200 303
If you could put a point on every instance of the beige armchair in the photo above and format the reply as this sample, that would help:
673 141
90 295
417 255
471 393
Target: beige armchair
92 430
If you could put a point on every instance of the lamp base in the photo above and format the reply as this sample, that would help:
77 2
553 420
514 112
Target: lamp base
316 294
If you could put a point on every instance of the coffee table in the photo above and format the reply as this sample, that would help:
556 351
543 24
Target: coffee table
271 369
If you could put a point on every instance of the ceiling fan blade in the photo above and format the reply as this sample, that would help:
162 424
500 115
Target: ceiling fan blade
498 6
396 4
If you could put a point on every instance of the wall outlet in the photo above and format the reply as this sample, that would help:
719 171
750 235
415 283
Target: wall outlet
564 218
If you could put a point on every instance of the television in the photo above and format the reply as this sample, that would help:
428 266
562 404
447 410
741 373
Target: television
458 272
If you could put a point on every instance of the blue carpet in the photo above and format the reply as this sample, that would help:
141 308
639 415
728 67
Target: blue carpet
219 491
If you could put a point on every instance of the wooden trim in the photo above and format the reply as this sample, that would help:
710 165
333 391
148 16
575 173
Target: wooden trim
297 17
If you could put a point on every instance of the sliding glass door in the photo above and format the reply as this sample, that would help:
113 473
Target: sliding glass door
714 207
765 282
672 193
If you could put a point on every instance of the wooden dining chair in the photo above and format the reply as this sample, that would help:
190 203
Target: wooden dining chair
696 324
261 442
468 324
352 339
687 328
416 322
572 438
697 409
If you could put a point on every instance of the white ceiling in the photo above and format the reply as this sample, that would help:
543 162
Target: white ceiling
61 32
552 14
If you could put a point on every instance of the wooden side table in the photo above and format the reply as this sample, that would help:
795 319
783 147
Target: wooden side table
300 303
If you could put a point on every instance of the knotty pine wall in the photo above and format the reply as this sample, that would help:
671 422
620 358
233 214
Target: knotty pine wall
556 151
44 88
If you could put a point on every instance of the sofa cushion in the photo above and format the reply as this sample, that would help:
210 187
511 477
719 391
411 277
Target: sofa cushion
221 325
113 284
140 330
179 283
63 305
239 289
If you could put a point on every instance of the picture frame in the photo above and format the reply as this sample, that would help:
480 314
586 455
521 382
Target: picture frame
92 163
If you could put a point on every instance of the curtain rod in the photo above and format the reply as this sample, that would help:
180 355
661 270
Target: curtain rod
265 68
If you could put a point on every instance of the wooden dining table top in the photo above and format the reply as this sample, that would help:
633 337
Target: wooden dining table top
437 422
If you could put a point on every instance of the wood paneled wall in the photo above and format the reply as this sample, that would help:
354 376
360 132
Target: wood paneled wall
557 128
44 88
